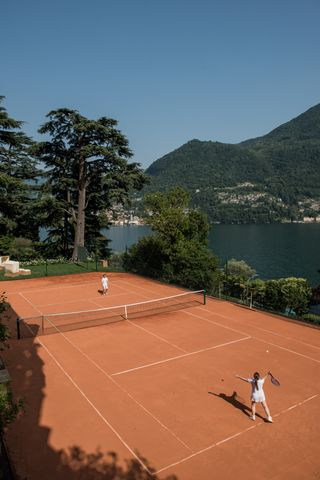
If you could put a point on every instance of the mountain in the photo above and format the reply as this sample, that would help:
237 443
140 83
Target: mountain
271 178
304 127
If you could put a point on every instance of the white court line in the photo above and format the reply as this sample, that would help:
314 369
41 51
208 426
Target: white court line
149 291
263 329
122 388
288 350
123 441
57 287
157 336
215 323
225 440
91 299
179 356
252 336
32 305
95 408
296 405
36 308
287 338
116 283
205 449
64 287
133 285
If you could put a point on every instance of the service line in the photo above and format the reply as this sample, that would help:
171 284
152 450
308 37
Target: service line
180 356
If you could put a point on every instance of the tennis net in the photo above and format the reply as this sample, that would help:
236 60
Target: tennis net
63 322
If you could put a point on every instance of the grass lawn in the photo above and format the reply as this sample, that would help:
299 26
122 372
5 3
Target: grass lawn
44 270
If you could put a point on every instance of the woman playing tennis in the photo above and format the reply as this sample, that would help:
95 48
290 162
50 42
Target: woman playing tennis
257 394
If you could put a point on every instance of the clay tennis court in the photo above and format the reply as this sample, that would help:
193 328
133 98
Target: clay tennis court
159 391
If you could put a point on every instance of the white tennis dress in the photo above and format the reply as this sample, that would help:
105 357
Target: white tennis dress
104 282
257 394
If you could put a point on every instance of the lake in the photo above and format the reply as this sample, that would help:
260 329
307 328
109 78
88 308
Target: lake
273 250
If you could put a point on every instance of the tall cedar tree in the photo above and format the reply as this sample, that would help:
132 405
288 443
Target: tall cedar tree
87 169
16 167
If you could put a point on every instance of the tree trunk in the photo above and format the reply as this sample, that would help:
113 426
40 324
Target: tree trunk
80 225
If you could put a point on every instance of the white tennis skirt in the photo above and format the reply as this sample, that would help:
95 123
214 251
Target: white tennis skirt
258 397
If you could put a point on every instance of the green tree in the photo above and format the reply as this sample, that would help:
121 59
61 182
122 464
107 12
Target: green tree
258 289
239 268
273 298
147 257
177 252
16 168
9 407
234 286
4 332
291 295
237 276
87 172
170 217
296 294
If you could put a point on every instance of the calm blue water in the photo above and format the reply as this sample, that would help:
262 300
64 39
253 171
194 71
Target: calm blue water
274 251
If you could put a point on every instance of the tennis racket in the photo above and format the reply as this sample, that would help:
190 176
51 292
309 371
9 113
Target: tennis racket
274 381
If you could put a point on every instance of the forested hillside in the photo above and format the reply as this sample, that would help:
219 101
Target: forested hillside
267 179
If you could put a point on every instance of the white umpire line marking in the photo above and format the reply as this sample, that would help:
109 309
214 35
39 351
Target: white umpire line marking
225 440
255 338
179 356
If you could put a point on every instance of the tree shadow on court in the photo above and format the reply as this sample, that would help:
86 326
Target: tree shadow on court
105 466
236 402
29 439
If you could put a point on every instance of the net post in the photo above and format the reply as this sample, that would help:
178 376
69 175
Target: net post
204 297
18 329
125 312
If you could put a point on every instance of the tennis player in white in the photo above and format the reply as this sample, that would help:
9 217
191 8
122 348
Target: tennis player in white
257 394
105 284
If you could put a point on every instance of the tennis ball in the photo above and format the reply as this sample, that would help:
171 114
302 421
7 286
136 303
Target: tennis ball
267 351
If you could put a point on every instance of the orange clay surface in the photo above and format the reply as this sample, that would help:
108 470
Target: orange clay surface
159 392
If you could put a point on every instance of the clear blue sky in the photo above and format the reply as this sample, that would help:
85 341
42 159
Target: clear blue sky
169 71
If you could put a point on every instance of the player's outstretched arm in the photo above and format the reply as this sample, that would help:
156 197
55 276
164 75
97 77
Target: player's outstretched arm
241 378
